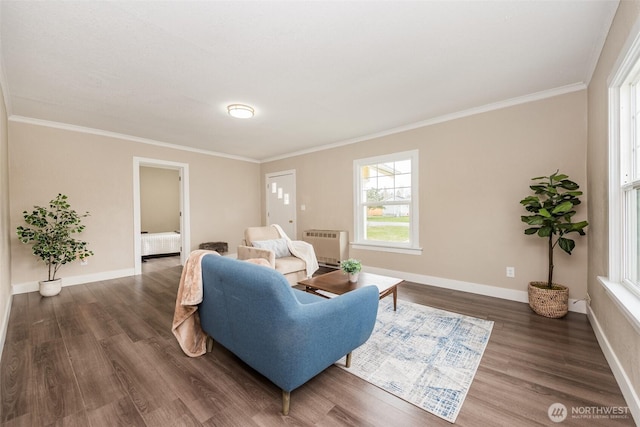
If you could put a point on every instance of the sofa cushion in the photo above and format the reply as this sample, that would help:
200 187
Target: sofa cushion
290 264
278 246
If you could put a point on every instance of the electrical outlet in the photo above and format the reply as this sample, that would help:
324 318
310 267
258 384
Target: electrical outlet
511 272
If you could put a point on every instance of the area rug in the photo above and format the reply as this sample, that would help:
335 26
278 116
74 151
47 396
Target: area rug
423 355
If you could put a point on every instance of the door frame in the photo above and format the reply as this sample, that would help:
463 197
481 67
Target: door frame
185 222
292 197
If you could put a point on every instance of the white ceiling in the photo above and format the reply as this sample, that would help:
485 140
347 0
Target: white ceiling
318 73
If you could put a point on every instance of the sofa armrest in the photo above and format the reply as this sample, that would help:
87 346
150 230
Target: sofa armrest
248 252
318 334
347 318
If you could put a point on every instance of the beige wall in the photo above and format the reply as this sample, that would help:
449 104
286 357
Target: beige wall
96 172
624 341
159 199
473 173
5 228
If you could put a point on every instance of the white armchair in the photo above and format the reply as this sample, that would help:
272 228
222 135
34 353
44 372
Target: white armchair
296 260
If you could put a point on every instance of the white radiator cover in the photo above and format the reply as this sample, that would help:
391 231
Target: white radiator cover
331 246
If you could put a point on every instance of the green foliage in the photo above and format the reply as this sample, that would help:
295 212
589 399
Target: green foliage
351 265
375 195
385 228
51 232
551 209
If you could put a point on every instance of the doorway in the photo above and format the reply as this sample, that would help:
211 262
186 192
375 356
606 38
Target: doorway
281 201
184 225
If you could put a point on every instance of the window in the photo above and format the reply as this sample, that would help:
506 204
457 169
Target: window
630 186
386 202
626 180
623 282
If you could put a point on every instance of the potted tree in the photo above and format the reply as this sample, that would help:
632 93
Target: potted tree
50 231
551 210
351 267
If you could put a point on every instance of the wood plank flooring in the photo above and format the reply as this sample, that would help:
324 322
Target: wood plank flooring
102 354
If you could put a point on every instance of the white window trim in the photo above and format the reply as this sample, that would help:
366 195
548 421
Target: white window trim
625 295
413 248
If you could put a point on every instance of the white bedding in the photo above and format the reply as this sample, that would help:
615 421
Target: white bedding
160 243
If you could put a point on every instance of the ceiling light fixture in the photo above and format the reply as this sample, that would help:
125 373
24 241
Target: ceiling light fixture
240 111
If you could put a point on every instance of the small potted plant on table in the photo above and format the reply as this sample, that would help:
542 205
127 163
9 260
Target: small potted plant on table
551 209
50 231
352 267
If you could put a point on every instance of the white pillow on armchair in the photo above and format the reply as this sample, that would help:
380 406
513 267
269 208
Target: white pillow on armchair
278 246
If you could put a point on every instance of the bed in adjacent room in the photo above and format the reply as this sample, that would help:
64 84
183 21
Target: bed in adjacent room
160 244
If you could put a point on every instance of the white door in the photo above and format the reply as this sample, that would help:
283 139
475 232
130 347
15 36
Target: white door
281 201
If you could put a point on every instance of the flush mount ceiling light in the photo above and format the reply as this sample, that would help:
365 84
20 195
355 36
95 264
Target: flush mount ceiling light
240 111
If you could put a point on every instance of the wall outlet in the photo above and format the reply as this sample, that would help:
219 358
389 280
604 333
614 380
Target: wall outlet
84 261
511 272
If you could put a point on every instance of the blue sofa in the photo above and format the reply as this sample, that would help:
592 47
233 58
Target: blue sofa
287 335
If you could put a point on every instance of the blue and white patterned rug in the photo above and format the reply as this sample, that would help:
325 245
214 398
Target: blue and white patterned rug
423 355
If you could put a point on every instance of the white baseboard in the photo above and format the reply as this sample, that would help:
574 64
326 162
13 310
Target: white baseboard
22 288
4 324
578 306
629 393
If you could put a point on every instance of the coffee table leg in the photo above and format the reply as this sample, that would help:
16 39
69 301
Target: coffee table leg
395 298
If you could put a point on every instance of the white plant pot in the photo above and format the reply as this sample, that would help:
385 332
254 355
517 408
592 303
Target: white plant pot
353 277
49 288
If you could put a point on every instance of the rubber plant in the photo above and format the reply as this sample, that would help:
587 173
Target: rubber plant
51 231
551 210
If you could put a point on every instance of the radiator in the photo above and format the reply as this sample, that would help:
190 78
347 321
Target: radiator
331 246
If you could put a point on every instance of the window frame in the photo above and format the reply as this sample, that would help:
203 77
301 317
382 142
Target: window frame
624 293
624 173
627 177
359 242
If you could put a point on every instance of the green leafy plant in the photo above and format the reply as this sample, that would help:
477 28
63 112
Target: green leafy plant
551 211
50 231
351 265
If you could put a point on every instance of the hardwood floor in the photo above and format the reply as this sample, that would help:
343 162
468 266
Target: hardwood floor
102 354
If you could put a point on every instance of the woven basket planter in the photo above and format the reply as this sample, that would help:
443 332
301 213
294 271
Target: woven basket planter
547 302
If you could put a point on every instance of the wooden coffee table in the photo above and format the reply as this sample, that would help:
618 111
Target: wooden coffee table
338 283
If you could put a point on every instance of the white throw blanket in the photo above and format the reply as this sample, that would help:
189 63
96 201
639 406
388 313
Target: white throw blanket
300 249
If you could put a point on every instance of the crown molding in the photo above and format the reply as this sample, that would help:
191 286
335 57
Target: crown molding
429 122
100 132
444 118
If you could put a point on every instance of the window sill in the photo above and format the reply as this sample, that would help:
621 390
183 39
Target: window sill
380 248
627 300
